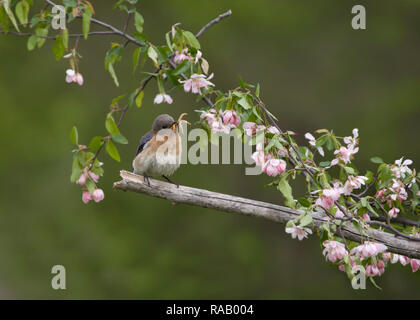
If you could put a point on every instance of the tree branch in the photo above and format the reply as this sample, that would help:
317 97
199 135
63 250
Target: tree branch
272 212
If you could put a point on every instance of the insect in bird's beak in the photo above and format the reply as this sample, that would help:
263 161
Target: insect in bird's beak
180 120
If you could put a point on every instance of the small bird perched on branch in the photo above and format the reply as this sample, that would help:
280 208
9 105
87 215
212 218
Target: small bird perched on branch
159 152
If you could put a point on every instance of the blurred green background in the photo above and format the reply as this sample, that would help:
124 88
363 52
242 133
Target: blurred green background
315 72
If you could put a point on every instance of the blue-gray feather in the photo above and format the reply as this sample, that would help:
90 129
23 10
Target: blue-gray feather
145 139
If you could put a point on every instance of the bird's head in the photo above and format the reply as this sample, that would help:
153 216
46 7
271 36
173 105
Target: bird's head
165 121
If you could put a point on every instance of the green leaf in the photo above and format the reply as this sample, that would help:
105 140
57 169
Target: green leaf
306 219
9 12
136 58
32 41
139 99
22 11
377 160
286 190
349 170
41 33
87 14
74 136
76 171
191 40
153 55
113 55
324 163
112 151
304 202
243 102
115 100
374 283
111 126
138 22
119 138
90 186
95 143
59 48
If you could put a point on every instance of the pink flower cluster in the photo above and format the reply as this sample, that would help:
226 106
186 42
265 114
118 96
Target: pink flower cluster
271 166
251 128
394 258
401 169
162 97
346 153
197 82
334 251
98 194
396 192
183 55
368 249
73 76
221 122
274 167
375 269
85 174
353 183
328 196
298 231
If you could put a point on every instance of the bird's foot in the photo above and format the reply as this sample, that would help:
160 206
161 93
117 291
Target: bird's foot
146 179
170 181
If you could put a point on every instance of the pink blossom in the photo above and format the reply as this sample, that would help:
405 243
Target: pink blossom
339 214
198 56
84 176
334 251
250 128
401 168
73 76
352 141
231 118
162 97
196 82
366 217
312 142
368 249
93 176
381 194
273 130
415 264
274 167
354 183
386 256
398 191
345 154
377 269
209 115
400 258
259 156
298 231
393 212
218 126
86 196
181 56
328 196
82 179
98 195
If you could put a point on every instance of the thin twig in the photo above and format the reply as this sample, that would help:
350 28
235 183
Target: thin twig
214 21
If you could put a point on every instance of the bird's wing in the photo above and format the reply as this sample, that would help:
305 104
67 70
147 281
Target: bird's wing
145 139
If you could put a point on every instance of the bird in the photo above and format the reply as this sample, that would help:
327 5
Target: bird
159 151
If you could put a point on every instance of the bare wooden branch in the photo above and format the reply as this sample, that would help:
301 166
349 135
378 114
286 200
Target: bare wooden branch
269 211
